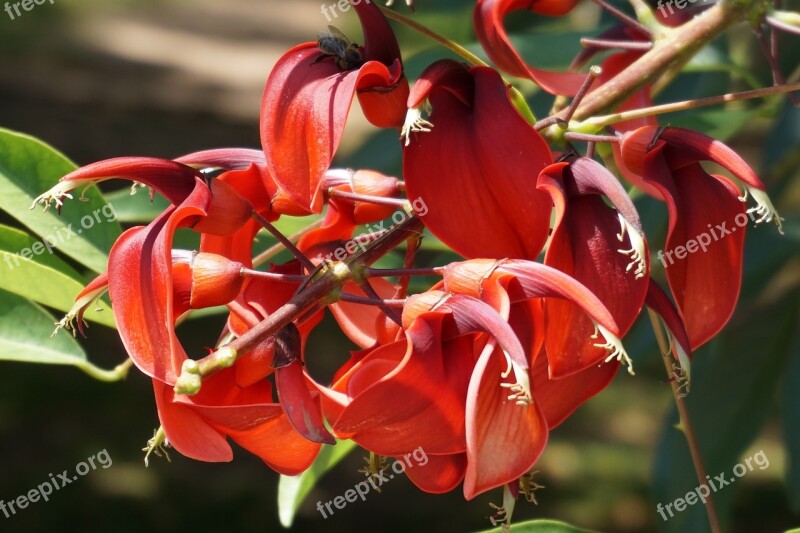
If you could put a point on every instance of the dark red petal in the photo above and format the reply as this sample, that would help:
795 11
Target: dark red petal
558 398
586 244
301 408
658 301
488 18
704 282
478 194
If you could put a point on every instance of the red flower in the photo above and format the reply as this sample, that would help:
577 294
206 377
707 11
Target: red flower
307 99
601 247
706 214
480 197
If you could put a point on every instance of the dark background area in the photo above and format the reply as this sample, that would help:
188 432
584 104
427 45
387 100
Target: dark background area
99 80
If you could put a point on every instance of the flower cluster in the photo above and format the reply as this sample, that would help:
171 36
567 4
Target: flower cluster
480 367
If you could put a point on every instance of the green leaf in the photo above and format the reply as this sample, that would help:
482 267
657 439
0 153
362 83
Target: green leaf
44 278
25 335
28 168
542 526
292 490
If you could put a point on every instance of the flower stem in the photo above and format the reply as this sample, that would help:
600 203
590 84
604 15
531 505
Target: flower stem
322 289
277 248
682 43
685 423
118 373
606 120
444 41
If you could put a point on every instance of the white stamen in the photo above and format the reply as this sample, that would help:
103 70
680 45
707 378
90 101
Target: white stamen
521 389
637 250
683 359
414 124
614 345
55 195
764 208
135 185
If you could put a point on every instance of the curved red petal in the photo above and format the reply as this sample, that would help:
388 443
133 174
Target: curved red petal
488 18
303 113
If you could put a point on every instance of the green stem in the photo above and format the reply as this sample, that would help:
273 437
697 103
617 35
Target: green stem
685 422
444 41
118 373
599 122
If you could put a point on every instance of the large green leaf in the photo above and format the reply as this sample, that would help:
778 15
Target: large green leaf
292 490
43 278
25 335
28 168
542 526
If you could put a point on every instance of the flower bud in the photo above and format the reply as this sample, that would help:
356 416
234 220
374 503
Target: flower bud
366 182
226 212
203 280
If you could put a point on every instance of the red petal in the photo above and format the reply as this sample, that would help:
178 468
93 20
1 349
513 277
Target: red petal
358 321
558 398
442 473
488 18
173 180
301 408
660 303
140 286
585 245
303 113
504 439
187 431
408 394
705 284
477 195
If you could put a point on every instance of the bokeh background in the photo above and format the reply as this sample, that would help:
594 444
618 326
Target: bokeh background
162 78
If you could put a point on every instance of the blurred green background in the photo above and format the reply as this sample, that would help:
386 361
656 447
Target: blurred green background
163 78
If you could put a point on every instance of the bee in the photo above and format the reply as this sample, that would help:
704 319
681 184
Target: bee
333 43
